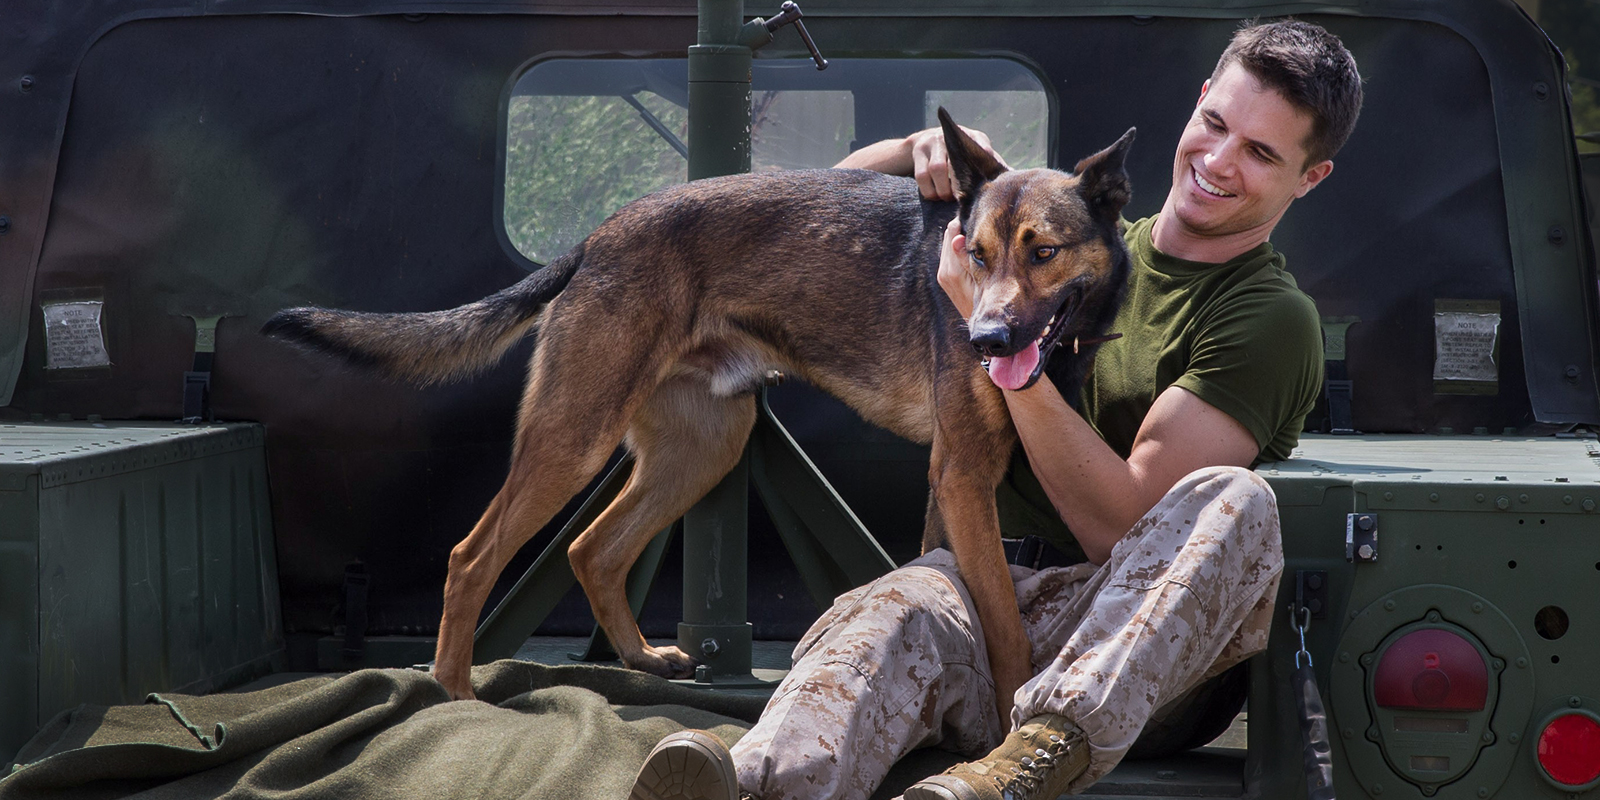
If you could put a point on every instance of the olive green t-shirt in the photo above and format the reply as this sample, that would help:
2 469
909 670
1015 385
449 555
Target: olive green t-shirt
1238 335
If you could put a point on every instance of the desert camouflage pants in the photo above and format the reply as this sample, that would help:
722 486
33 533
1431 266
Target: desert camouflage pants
900 663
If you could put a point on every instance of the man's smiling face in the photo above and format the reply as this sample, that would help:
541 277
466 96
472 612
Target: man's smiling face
1241 160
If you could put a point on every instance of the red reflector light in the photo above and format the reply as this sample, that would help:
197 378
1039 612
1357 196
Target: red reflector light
1569 749
1432 670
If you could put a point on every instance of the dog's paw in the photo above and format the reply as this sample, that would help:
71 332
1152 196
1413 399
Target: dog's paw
665 662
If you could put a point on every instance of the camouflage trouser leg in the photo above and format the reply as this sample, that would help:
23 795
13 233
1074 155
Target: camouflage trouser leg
900 663
892 666
1187 593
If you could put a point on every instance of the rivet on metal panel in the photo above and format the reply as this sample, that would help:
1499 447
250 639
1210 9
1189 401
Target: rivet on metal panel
1388 495
1488 737
1377 788
1541 90
1566 499
1588 504
1513 737
1433 497
1366 661
1502 502
1497 664
1477 608
1478 497
1522 662
1344 658
1433 616
1557 236
1388 605
1522 498
1347 733
25 83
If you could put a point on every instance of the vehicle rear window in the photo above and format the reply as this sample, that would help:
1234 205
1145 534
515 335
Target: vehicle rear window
583 136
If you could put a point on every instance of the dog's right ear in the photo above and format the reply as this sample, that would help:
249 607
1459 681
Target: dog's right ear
973 166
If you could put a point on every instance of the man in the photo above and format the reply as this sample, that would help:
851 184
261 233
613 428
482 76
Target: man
1219 364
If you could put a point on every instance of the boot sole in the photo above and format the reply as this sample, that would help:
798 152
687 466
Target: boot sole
688 765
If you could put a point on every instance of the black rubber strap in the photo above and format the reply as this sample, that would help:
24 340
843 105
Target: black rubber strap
1314 734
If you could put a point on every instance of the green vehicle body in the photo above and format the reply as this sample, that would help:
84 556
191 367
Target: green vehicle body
1448 485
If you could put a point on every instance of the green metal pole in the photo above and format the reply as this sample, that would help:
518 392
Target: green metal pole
719 93
714 628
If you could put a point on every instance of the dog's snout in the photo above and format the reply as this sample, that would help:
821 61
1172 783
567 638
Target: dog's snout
991 340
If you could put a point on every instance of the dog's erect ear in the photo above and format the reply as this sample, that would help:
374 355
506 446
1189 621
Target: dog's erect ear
1103 180
973 166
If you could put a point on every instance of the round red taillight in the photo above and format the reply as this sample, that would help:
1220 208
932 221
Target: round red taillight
1431 669
1569 749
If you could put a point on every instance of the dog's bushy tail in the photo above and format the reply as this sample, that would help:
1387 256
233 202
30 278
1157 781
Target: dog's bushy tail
432 346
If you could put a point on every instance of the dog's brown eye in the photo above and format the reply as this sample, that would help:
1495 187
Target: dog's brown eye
1042 254
977 259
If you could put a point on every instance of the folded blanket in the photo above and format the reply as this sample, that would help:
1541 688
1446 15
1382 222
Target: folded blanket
564 733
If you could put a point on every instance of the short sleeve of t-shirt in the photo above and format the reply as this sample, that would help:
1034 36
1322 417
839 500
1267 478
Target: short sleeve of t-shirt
1257 356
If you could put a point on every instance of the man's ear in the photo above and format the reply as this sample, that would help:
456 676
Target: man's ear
1311 177
972 165
1103 179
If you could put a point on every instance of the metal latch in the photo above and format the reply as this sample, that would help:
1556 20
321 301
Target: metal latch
1361 537
758 32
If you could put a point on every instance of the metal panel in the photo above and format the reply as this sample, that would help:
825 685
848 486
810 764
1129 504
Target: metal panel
1512 524
143 562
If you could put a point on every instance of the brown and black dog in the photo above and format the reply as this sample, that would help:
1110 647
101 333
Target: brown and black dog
655 331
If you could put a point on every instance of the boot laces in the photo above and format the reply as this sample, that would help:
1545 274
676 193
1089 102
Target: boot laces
1030 778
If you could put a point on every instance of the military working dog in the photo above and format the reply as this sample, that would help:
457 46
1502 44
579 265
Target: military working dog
656 330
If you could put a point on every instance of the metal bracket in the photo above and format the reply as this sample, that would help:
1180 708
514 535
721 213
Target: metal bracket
1311 591
1361 538
197 381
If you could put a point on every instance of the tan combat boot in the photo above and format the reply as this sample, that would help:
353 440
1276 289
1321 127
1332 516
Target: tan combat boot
687 765
1035 762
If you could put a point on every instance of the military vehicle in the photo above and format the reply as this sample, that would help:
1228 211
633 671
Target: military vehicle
187 505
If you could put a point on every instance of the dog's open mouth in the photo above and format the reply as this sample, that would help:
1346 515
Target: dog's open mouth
1022 369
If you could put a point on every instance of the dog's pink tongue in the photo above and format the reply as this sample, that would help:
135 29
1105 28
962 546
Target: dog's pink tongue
1012 372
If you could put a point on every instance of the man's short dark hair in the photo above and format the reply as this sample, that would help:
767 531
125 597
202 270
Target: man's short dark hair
1311 68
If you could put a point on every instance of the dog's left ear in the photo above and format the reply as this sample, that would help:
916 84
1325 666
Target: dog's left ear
973 166
1103 180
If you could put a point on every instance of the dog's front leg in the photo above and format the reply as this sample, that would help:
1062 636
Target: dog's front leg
966 505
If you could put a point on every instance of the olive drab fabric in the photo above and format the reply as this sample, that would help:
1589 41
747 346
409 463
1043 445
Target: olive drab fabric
1239 335
900 663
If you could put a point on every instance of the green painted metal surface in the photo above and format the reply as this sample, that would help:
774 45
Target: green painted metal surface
1475 533
134 557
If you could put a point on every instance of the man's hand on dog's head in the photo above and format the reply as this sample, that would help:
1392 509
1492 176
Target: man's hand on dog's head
955 269
930 162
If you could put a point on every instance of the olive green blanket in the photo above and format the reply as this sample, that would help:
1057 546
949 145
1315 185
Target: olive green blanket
564 733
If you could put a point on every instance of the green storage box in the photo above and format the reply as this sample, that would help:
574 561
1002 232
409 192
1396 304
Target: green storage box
134 557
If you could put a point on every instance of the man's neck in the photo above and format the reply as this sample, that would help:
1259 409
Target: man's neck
1171 237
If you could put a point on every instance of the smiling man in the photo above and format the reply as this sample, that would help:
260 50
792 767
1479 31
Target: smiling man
1220 362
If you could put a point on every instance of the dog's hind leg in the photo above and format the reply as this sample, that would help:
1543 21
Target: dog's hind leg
563 439
684 440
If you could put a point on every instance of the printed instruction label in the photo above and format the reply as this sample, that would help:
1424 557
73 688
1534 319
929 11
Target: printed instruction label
73 336
1464 345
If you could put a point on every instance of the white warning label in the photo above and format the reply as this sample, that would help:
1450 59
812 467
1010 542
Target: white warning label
1464 345
72 335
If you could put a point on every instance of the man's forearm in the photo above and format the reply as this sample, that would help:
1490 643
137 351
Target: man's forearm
890 156
1096 492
